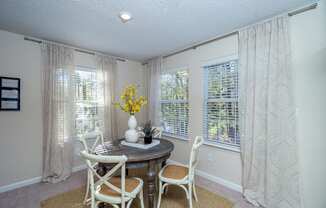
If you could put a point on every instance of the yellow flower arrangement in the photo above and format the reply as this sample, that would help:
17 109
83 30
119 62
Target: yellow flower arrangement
129 101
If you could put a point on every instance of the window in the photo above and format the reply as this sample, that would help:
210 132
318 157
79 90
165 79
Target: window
63 92
89 105
174 103
221 104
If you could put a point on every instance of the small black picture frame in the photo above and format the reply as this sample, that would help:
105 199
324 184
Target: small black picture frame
9 94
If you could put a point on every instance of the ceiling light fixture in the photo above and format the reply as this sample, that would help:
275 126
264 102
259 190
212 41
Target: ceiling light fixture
125 16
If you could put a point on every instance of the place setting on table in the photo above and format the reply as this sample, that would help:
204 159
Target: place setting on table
142 145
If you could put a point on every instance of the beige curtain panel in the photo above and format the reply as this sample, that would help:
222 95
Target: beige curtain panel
155 69
58 111
267 116
106 75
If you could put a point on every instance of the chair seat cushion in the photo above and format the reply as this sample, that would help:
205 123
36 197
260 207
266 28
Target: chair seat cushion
175 172
130 185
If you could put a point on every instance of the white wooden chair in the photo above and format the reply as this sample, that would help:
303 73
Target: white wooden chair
109 189
90 141
158 134
182 176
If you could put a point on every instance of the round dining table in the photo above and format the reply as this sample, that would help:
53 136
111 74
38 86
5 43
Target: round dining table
140 158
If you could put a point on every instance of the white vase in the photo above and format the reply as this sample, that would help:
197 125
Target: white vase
131 134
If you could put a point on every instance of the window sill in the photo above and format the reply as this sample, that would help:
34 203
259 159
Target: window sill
171 136
223 146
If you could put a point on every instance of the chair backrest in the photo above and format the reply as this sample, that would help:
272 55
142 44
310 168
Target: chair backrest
193 162
158 132
96 137
119 162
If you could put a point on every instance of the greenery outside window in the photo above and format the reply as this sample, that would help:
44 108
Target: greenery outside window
88 100
221 104
174 103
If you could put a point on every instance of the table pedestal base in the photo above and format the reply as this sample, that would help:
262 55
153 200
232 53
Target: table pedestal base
151 176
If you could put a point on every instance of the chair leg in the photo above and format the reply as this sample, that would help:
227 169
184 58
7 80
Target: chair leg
166 190
129 203
159 195
94 204
159 168
141 197
194 190
87 189
190 195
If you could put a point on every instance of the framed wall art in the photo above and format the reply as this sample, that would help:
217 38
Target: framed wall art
9 94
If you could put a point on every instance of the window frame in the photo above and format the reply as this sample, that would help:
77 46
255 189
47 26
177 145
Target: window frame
167 134
218 61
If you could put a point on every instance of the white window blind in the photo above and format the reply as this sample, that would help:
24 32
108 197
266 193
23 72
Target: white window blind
221 103
62 93
89 107
174 103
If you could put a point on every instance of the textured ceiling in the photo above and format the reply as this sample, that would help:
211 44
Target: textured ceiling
158 26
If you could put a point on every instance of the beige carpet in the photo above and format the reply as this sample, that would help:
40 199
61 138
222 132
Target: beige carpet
174 199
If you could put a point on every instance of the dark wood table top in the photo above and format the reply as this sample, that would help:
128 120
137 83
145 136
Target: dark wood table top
136 154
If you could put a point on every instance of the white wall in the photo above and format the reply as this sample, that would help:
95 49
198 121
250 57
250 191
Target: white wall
21 132
308 33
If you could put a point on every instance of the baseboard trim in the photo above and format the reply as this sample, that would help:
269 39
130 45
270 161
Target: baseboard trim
20 184
219 180
215 179
200 173
32 181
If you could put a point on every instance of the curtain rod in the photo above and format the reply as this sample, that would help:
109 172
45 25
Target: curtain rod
303 9
75 48
290 14
202 43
